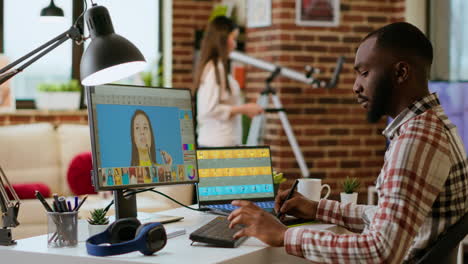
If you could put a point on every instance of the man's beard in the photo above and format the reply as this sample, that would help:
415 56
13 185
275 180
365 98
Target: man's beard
380 100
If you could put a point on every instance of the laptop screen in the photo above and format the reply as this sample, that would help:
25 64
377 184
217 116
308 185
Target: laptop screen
232 173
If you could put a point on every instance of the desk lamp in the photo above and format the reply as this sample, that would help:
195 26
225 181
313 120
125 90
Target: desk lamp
108 58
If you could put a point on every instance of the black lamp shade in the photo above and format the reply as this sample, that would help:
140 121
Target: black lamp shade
109 56
52 10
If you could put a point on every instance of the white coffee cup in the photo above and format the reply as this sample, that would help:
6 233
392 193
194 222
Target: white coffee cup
312 188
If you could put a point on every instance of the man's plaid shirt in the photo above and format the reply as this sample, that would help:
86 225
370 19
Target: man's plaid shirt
422 189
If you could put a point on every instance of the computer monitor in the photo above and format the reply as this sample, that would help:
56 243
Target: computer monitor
141 137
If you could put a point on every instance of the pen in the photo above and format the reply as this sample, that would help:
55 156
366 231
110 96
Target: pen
279 215
70 208
76 203
57 203
81 203
43 201
54 204
63 204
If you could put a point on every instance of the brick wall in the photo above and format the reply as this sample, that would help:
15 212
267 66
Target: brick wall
188 17
330 126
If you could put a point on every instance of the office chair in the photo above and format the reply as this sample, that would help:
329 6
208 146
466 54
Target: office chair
445 248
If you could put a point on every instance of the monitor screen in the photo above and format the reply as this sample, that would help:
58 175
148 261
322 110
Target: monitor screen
141 136
234 173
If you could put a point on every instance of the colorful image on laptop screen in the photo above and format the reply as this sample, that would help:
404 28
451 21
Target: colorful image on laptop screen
234 173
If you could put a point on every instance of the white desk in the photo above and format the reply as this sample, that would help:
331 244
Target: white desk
177 250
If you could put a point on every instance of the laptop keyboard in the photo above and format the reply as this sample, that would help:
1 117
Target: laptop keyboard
230 207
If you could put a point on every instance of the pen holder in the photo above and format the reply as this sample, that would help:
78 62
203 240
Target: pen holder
62 229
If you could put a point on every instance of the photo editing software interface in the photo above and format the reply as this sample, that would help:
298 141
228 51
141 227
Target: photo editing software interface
143 136
234 173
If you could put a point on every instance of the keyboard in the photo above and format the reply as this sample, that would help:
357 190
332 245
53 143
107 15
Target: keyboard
217 232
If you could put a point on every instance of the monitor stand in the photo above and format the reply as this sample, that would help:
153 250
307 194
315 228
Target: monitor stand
125 206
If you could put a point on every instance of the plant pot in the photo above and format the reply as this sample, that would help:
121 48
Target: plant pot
58 100
348 197
96 229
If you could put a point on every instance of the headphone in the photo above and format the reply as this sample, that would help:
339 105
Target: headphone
127 235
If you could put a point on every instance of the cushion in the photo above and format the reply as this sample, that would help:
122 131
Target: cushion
29 153
28 190
79 174
72 140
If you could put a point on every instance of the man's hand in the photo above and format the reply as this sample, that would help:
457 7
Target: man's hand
258 223
298 205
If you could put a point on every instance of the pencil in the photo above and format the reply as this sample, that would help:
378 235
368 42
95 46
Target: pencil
43 201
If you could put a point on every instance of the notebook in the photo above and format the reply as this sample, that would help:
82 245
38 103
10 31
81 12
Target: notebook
234 173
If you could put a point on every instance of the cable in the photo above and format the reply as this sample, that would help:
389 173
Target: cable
131 192
177 202
82 13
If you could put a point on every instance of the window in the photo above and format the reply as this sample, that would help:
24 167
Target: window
459 40
24 31
449 38
139 23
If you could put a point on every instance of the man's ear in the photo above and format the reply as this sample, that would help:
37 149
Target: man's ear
402 70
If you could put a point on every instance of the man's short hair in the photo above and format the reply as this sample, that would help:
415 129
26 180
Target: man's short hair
403 39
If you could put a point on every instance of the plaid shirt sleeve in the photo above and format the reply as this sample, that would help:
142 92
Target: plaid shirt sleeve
413 175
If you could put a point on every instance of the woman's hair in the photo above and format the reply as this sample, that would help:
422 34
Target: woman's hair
152 151
214 48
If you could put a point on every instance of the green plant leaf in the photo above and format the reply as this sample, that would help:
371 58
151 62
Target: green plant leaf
98 217
350 184
70 86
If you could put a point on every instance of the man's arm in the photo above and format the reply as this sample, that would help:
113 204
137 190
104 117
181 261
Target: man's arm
346 215
413 176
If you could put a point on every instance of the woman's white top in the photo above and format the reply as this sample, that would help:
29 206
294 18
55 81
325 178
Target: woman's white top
216 126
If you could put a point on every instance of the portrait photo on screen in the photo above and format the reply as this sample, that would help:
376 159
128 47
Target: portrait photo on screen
146 136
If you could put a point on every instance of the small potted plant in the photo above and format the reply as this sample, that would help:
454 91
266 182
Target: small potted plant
98 221
58 96
349 187
278 178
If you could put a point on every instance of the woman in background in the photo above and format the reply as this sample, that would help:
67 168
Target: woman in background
218 95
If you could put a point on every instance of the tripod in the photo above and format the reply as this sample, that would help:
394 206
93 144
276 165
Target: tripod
256 127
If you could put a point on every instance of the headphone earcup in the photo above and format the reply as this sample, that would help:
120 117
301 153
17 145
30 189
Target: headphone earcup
123 230
156 237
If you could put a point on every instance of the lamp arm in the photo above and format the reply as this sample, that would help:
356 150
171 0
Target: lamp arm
72 33
9 208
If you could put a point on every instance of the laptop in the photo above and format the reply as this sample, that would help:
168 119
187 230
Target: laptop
234 173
